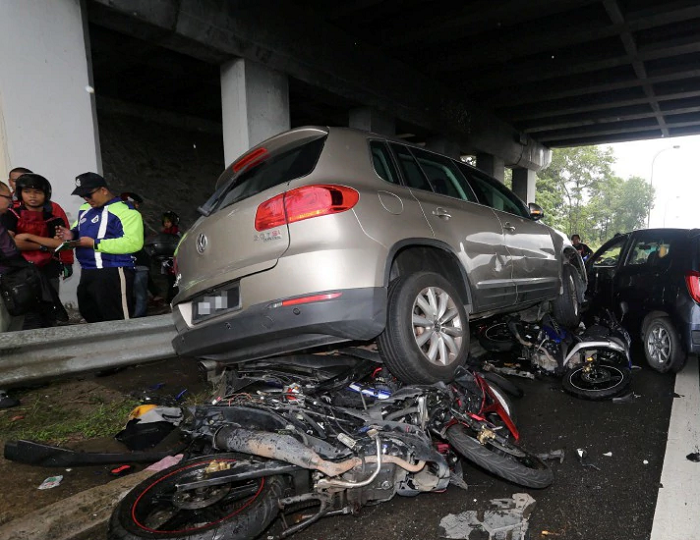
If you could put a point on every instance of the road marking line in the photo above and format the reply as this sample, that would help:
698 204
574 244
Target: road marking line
677 515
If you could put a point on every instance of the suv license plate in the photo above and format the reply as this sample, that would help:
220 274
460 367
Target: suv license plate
215 303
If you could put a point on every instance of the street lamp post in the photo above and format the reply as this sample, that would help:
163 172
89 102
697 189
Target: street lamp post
651 177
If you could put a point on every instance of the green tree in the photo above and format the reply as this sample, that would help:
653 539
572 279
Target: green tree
574 176
580 195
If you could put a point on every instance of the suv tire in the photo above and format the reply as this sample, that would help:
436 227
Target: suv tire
662 345
427 332
567 306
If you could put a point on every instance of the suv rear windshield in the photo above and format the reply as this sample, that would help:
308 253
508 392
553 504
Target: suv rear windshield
281 167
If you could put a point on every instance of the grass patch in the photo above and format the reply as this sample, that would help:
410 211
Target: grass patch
46 420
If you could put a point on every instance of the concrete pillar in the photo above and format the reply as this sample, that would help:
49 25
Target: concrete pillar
369 119
491 165
47 120
254 105
443 145
524 184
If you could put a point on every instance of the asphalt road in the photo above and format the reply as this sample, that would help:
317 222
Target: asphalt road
614 501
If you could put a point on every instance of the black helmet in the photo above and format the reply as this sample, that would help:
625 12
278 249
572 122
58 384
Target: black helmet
172 216
33 181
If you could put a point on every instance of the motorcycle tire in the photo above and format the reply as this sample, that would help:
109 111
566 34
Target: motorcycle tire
603 381
235 511
497 338
525 469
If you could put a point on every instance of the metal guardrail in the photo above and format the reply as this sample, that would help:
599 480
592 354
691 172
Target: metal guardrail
39 355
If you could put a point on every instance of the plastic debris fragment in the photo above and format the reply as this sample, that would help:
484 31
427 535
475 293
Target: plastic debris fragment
51 482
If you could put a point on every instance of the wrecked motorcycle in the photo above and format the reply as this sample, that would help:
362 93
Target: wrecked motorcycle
292 442
594 364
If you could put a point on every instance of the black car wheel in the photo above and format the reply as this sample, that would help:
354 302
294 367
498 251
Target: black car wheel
567 306
662 346
427 332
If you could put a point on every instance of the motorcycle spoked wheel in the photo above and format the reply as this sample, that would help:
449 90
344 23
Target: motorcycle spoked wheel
236 511
497 338
597 382
514 464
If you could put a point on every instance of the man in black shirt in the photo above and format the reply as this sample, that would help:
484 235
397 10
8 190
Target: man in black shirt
582 248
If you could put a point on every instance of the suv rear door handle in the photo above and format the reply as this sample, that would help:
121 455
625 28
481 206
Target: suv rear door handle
441 213
508 227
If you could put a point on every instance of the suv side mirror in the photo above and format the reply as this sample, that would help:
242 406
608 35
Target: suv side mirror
536 212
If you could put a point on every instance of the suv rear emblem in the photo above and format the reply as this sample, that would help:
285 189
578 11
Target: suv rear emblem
202 243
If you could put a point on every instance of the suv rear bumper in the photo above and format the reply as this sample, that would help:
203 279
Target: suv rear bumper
264 330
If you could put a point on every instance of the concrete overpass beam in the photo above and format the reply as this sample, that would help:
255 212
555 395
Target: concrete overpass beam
47 115
443 145
524 184
254 105
369 119
492 165
286 38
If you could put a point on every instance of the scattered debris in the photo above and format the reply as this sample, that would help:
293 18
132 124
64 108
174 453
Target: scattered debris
507 518
608 454
508 371
583 459
51 482
646 462
554 454
121 470
549 533
167 461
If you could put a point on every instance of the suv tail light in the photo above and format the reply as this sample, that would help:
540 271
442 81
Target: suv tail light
692 281
304 203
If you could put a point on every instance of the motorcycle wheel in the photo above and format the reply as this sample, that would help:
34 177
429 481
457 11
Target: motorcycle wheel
497 338
602 381
519 467
154 509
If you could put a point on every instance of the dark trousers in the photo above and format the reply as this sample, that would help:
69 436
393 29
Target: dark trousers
106 294
45 317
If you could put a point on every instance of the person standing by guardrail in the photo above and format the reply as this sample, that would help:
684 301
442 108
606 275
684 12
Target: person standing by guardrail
33 223
106 235
8 254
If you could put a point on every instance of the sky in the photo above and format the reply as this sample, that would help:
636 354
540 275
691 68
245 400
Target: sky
676 176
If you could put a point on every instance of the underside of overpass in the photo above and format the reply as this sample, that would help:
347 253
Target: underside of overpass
506 78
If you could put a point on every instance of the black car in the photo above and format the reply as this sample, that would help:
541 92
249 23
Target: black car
656 273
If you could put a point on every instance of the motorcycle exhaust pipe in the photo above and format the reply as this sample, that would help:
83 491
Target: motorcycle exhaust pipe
280 447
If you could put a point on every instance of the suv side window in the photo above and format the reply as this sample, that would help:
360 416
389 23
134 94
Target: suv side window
443 175
653 252
383 163
412 173
611 255
492 193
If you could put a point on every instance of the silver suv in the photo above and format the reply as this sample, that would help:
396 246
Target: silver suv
325 235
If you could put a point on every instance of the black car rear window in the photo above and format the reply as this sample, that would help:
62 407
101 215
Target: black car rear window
278 169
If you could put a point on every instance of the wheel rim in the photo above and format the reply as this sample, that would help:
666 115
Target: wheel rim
160 509
499 333
659 345
597 379
437 326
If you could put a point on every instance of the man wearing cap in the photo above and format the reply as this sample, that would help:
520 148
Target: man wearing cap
106 234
